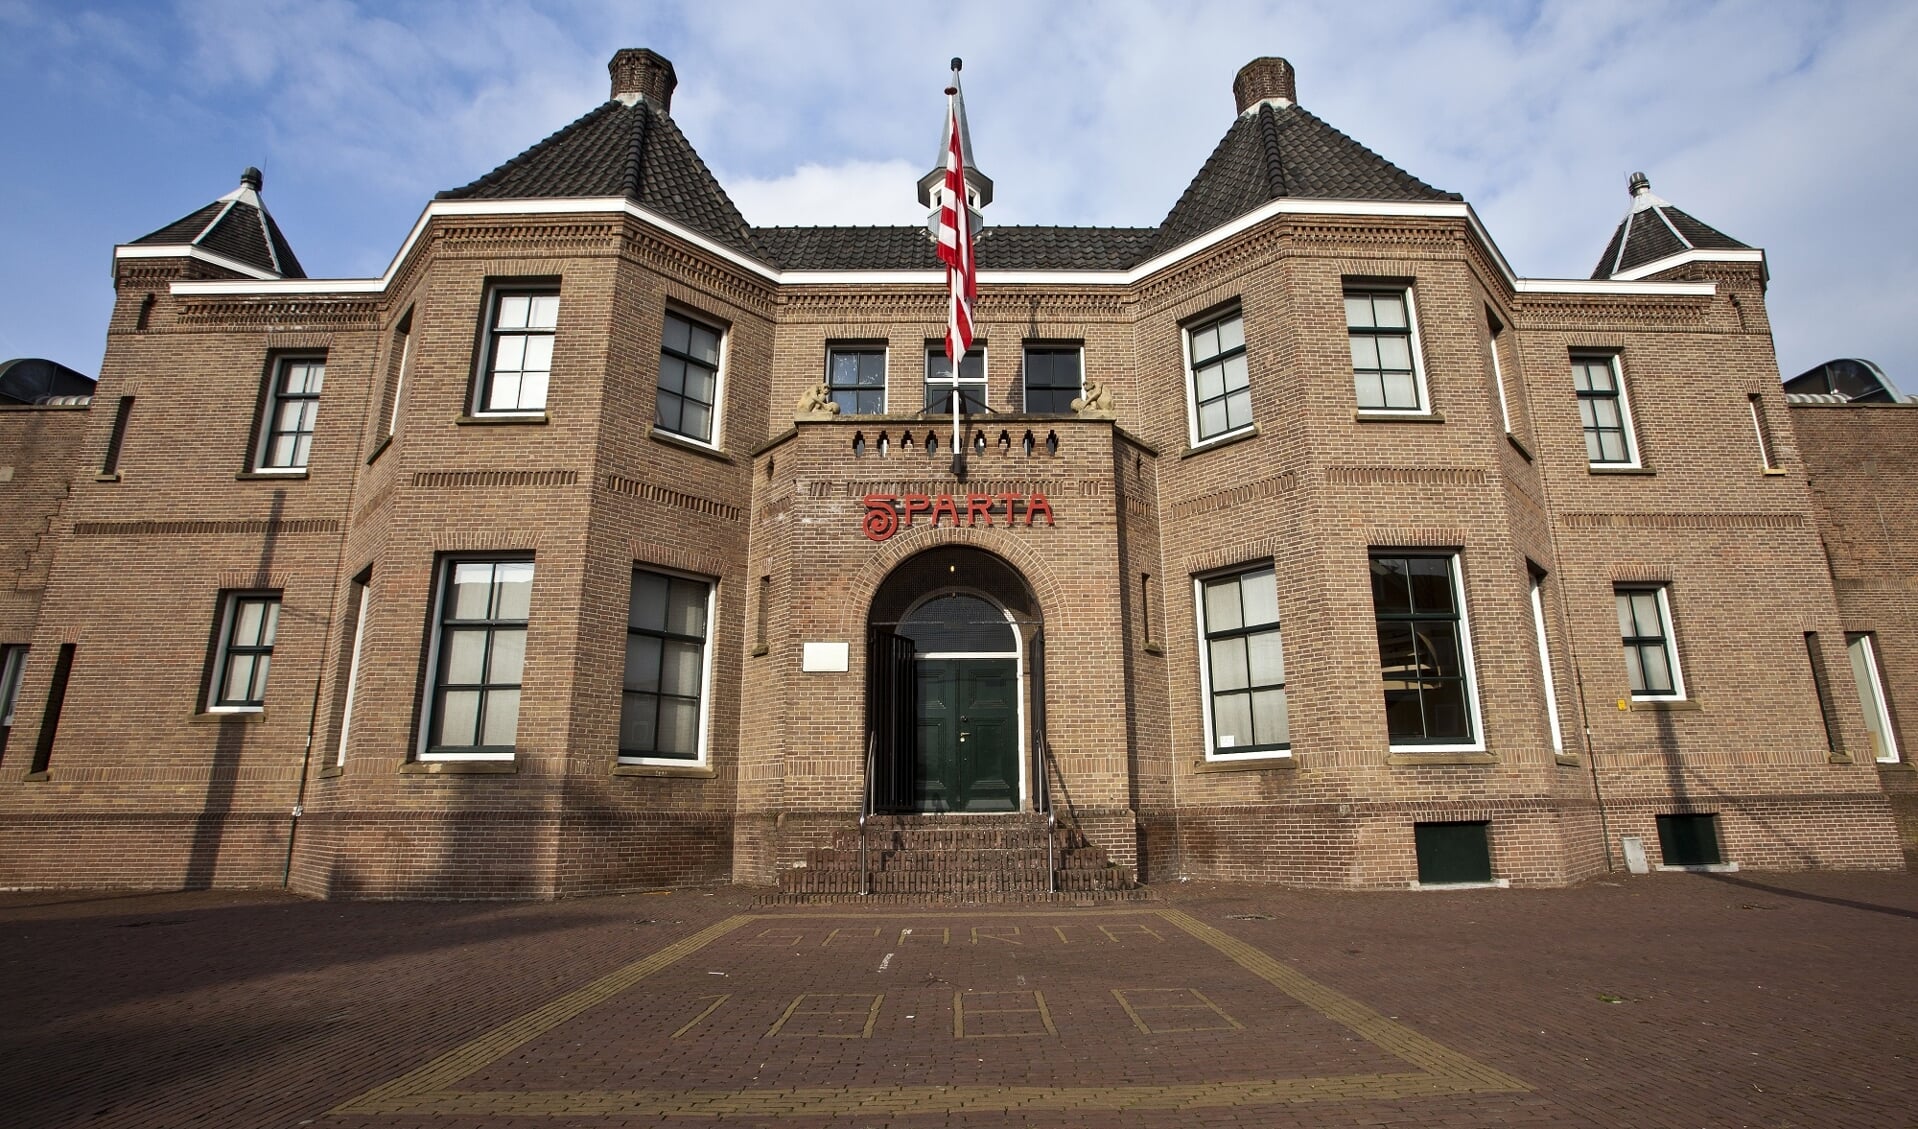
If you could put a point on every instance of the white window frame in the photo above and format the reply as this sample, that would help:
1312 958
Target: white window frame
1025 350
724 335
436 627
1424 407
223 650
1864 645
1192 377
884 349
363 600
1467 657
399 377
1767 458
1633 457
1545 664
270 412
1665 624
984 383
489 343
705 669
1213 753
13 668
1498 369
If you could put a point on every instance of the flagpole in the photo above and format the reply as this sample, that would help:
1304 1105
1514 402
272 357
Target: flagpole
958 444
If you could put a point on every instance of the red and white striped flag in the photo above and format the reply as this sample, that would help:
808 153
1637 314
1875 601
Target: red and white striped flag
955 245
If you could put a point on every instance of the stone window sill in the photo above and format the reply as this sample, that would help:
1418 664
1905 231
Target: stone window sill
459 768
1775 471
1660 705
219 717
670 771
331 771
1621 470
1518 446
682 443
502 419
1401 760
1566 760
105 477
35 778
1251 432
1896 766
1248 764
267 475
379 449
1363 416
1154 649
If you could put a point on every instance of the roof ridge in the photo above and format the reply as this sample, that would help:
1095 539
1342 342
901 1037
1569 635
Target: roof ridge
1274 156
632 176
1672 227
266 236
214 222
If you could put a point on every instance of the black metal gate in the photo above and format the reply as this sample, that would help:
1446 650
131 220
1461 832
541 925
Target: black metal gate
890 716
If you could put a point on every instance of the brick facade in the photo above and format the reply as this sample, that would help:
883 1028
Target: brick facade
145 787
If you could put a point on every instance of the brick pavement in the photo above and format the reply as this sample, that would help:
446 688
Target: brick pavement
1670 1000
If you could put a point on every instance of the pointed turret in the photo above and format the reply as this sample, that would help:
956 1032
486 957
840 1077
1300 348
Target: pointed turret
236 228
932 186
1654 235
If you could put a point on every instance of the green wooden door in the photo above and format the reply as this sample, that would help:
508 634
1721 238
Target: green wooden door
966 756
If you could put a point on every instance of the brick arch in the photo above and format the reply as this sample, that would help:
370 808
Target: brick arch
1030 566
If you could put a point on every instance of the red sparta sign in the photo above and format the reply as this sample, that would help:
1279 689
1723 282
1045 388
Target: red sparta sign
886 513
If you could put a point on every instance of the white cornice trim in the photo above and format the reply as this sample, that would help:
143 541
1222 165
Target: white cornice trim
188 251
1434 209
1749 255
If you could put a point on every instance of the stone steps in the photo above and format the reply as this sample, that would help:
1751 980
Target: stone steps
963 857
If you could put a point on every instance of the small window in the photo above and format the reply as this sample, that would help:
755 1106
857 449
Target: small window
1494 343
1689 840
1545 664
479 653
1762 428
1452 854
1379 326
1424 651
1645 628
400 362
292 406
1871 696
361 603
249 623
662 708
519 351
1221 388
1053 379
1243 664
856 376
688 401
940 384
1603 412
13 667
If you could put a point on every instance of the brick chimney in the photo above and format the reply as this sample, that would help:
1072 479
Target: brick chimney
641 73
1262 79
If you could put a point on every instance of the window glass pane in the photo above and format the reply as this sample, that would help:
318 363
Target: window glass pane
539 354
515 580
638 722
672 374
844 368
505 393
1611 447
509 654
532 391
1213 419
509 354
649 602
679 669
1389 310
667 411
1626 628
1394 352
458 718
1404 718
502 717
1232 719
1210 382
696 422
1401 390
1231 333
512 311
1205 343
642 662
1447 717
465 657
677 336
705 345
472 589
1365 353
239 679
1371 389
1658 670
1604 414
1222 605
1645 614
1431 579
872 370
687 608
248 616
700 384
545 311
678 727
1398 652
1635 669
1235 372
1266 658
1391 587
1358 311
1228 664
1259 595
1438 648
1238 410
1270 725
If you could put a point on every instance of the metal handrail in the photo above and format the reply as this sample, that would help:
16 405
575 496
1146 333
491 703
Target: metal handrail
1052 820
865 811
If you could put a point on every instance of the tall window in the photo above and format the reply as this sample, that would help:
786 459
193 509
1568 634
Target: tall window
1871 696
688 379
479 654
1603 412
292 406
401 361
1424 650
940 384
1494 341
1379 326
519 351
1244 664
1221 390
362 602
662 707
1545 664
1645 628
13 666
1053 378
856 376
249 623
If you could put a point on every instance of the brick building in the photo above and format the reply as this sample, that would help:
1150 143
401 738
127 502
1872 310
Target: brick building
607 542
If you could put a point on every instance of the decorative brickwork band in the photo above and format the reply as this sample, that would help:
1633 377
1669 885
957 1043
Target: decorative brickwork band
655 493
200 528
456 479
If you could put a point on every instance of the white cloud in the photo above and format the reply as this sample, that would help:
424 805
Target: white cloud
863 193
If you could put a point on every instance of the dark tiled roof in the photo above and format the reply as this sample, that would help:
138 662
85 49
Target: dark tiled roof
1647 238
237 229
1284 151
634 152
998 248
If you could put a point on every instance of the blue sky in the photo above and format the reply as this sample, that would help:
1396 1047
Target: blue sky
1790 126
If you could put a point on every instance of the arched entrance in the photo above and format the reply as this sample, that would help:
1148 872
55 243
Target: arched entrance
952 684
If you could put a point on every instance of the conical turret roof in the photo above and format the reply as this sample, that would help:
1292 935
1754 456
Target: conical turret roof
237 226
1653 229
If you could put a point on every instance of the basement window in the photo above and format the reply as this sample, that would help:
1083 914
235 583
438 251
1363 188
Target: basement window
1453 854
1689 840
